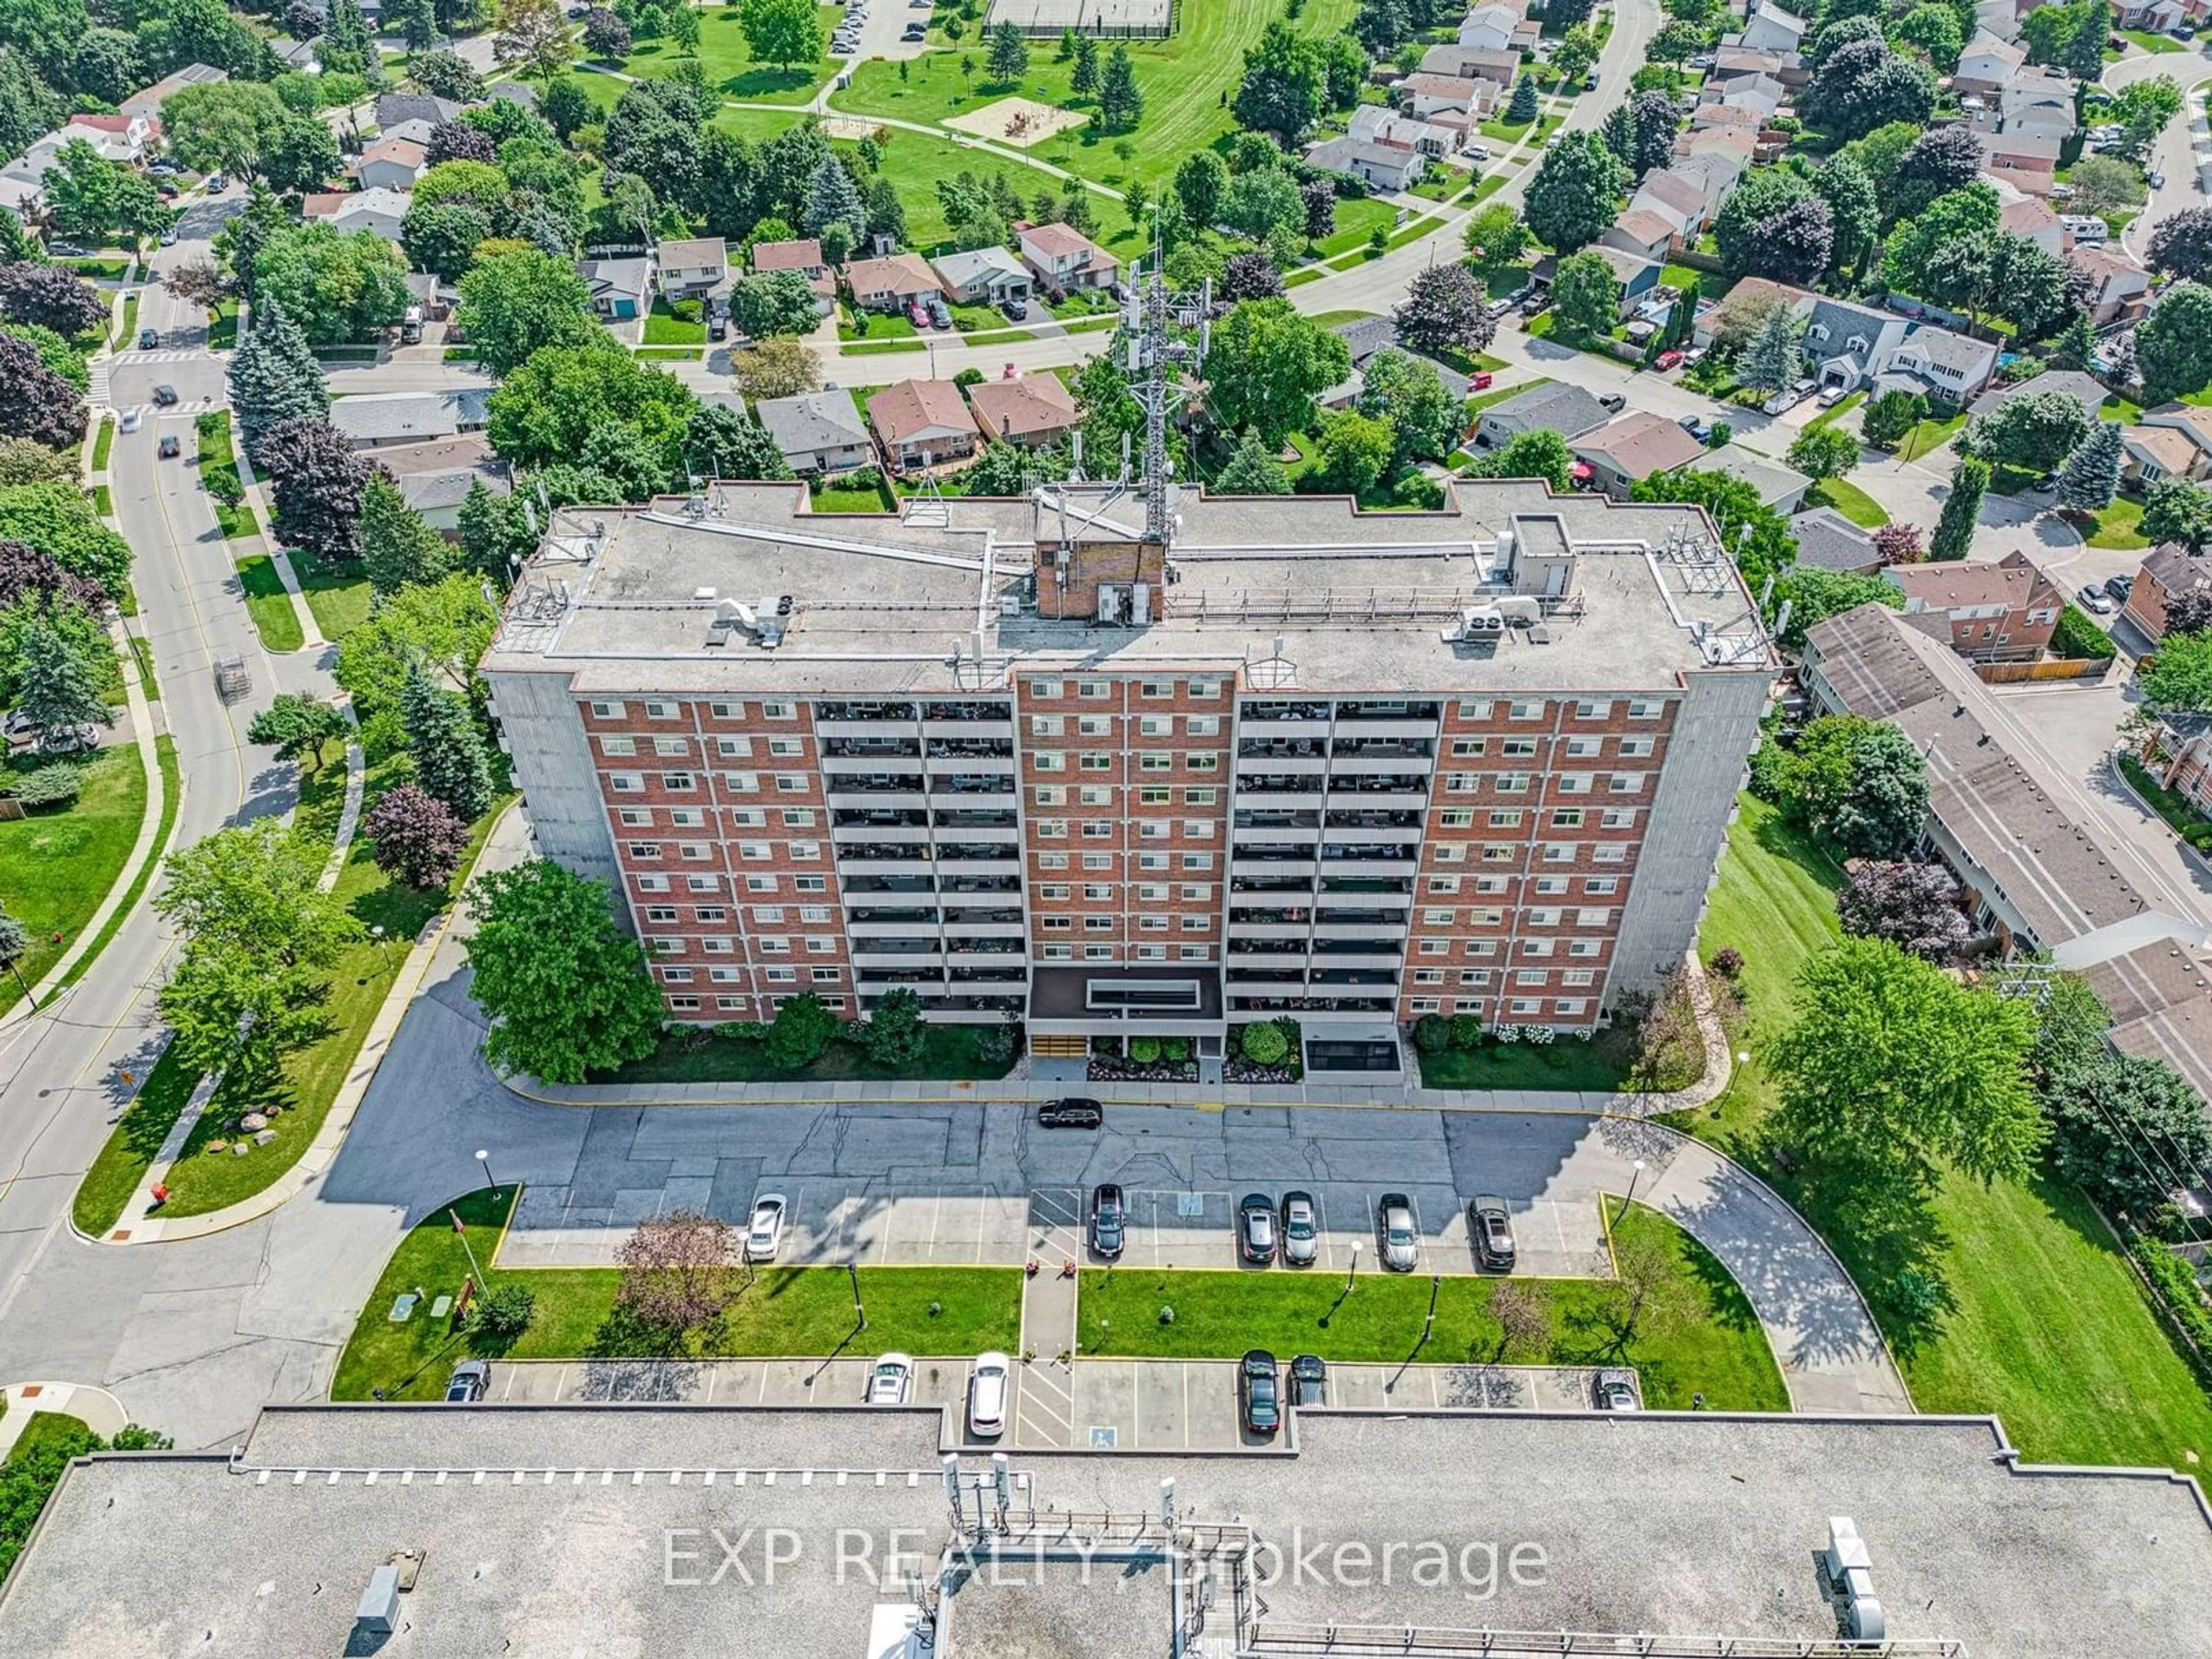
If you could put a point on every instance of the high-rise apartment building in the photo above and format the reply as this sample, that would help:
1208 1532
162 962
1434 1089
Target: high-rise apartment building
1357 767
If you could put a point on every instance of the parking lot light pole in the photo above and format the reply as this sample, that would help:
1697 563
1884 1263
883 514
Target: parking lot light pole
1635 1176
1354 1271
1429 1324
860 1313
483 1157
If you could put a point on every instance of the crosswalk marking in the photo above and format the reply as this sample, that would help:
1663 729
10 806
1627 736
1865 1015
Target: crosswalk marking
179 355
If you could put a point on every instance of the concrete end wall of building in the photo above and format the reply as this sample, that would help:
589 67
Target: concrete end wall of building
1713 736
544 739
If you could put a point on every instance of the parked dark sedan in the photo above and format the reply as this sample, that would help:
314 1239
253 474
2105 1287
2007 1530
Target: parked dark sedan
1259 1397
1073 1112
1309 1380
1493 1234
1256 1229
1107 1219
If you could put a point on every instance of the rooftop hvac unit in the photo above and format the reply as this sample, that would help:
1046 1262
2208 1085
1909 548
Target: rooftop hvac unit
1481 622
378 1613
1009 604
1521 609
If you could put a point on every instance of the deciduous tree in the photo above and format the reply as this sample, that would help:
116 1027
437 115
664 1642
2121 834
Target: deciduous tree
1824 452
51 296
1913 905
415 836
679 1272
1282 85
2179 679
782 32
1266 366
297 726
534 36
1859 785
446 627
1585 298
1574 196
397 545
60 522
39 405
2176 510
1445 308
1815 594
775 369
2182 245
1538 453
519 301
316 479
1407 392
2173 344
802 1028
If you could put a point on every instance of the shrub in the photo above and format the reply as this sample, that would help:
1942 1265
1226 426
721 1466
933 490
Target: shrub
2176 1284
1727 961
1266 1045
1144 1050
505 1310
801 1030
995 1044
866 478
1433 1033
1174 1047
1466 1030
56 784
2078 638
968 377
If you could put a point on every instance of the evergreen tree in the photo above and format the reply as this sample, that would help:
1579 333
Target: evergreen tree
833 198
1009 59
2076 343
495 532
1771 358
2091 477
1955 531
1524 106
1083 77
397 546
1120 106
449 751
345 44
274 377
58 689
1252 471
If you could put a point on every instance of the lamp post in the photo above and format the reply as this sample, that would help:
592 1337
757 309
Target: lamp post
860 1313
1635 1176
383 950
484 1157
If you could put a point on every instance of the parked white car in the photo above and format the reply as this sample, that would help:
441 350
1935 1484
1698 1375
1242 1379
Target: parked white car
990 1380
764 1234
892 1380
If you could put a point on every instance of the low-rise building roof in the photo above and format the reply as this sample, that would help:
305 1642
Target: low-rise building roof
804 253
1967 584
1561 407
963 270
2082 388
911 409
1773 480
1030 406
1644 227
2168 447
437 474
695 252
813 421
894 273
379 417
1641 443
1829 541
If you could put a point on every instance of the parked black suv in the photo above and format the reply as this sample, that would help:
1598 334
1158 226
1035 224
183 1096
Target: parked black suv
1073 1113
1108 1220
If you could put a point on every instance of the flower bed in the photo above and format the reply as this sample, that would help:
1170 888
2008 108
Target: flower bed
1267 1051
1141 1060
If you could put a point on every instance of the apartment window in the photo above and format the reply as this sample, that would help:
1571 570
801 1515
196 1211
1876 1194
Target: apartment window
1462 783
1529 1005
1469 746
1578 976
1202 726
1152 953
1567 817
1152 861
1098 953
1574 783
1645 708
1198 860
626 783
1197 893
1098 860
1570 1005
718 947
1050 691
1583 748
607 711
1427 1005
1505 820
1610 852
1204 689
1097 892
1481 947
1045 725
805 851
1095 795
1618 819
1156 761
1202 762
1443 884
1095 726
1198 828
700 884
659 711
1437 918
1049 760
1593 916
653 884
611 745
1052 828
1629 783
1052 861
1638 746
1551 883
798 817
811 884
1594 708
1050 794
743 783
678 976
1094 690
779 711
1518 748
1457 818
1155 689
1428 976
1058 924
781 976
1601 884
727 711
1196 952
1098 924
1153 892
1474 709
1526 709
1152 923
1497 855
688 818
1435 947
1052 891
1487 915
670 746
722 975
757 850
1206 797
1474 977
749 817
1558 851
635 817
1058 952
664 914
826 975
760 883
678 782
789 748
729 1005
684 1005
1098 832
645 849
766 915
1154 726
696 851
1584 947
1196 924
1097 762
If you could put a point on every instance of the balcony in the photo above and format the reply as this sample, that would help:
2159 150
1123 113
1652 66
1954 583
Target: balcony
891 826
1379 719
897 856
1364 747
964 742
1282 755
872 883
868 710
871 749
967 783
1253 781
1355 789
1272 837
968 881
1358 766
892 930
1375 834
975 817
1259 859
890 953
1358 925
883 979
965 713
1275 981
1010 928
1397 886
863 731
1289 933
887 795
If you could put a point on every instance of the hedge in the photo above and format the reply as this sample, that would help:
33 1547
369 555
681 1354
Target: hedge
2175 1281
2078 639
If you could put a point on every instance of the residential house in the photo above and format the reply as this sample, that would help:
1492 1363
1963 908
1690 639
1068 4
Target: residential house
1378 124
2038 102
1490 29
2082 388
1827 540
1763 92
987 276
692 268
1463 127
1031 409
1426 94
1630 448
890 284
1986 67
1676 200
435 477
395 109
390 164
819 432
2122 287
1738 147
2025 161
380 210
371 420
2167 570
1744 307
1730 63
1780 487
1770 28
1641 234
1386 167
417 132
1364 336
1712 175
2033 221
804 256
298 56
1846 345
1737 117
1560 407
922 423
1999 18
622 289
1500 69
1953 367
2001 613
1064 258
119 138
2191 423
2150 454
1637 273
149 102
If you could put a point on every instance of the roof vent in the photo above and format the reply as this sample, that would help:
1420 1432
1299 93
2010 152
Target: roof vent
702 595
378 1613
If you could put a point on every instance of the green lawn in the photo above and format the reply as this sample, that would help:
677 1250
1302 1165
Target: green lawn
103 441
1595 1063
1717 1348
126 333
1848 499
2149 42
1836 411
2047 1327
1182 79
141 653
875 325
1929 436
56 864
2119 525
833 498
664 327
99 268
337 594
222 327
1355 221
173 794
103 501
730 64
692 1056
309 1076
269 605
1332 319
131 1146
782 1310
1483 400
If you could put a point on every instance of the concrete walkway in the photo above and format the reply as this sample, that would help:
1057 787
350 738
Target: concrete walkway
97 1409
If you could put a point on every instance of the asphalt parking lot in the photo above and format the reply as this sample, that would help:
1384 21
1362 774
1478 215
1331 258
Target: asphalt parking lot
1095 1405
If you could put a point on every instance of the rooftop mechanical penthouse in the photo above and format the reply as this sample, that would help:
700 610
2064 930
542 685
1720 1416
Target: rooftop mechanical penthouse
1291 758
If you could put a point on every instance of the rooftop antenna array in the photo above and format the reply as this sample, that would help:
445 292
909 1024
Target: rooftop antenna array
1704 566
926 507
1154 355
